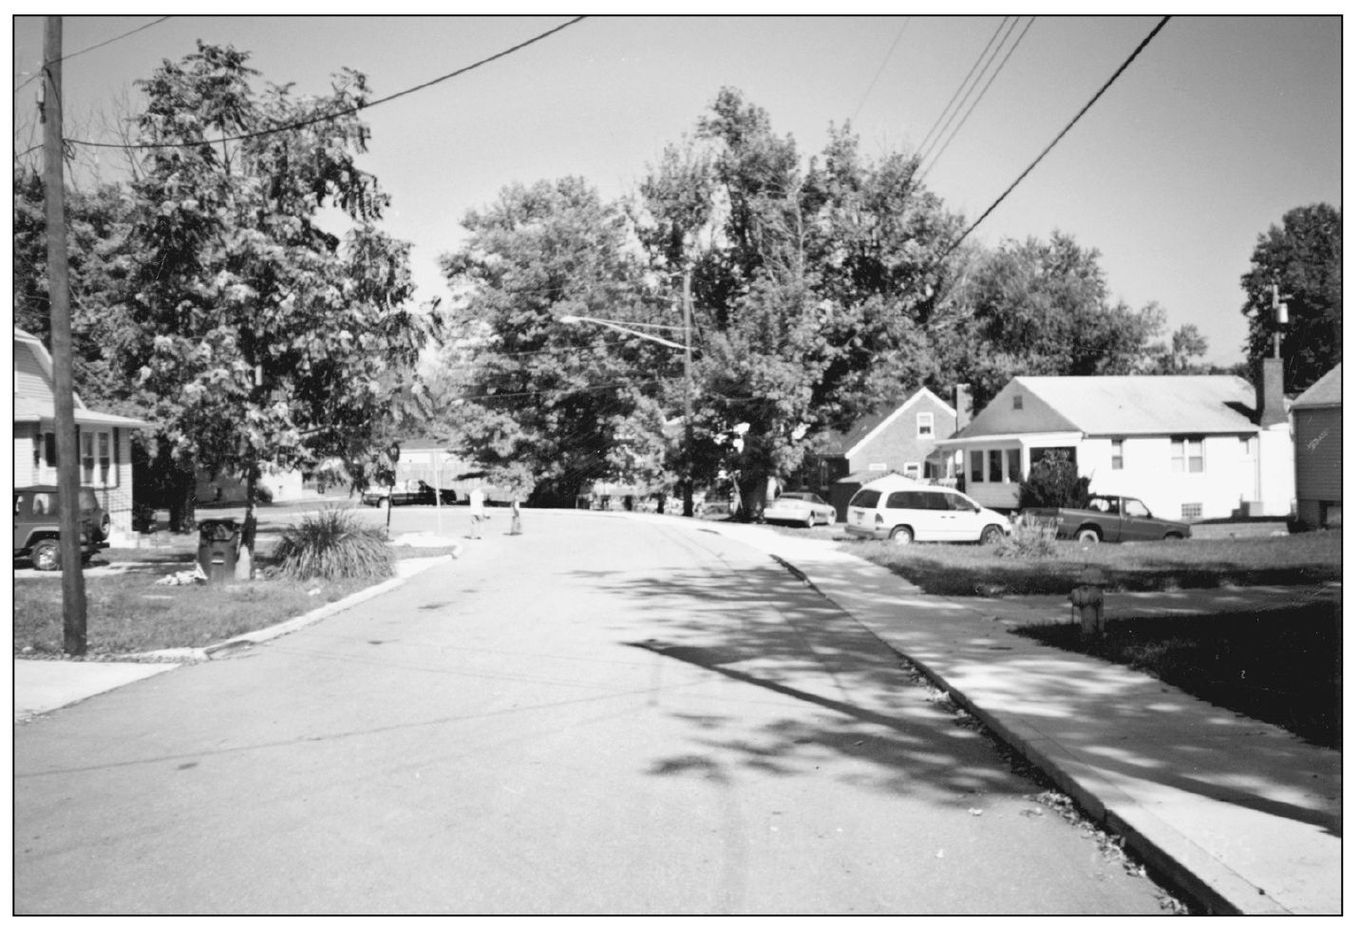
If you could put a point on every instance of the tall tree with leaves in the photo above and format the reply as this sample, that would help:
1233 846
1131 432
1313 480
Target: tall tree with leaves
254 335
1301 256
1042 308
556 403
811 300
97 223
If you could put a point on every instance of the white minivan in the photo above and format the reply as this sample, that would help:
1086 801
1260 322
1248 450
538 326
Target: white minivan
905 511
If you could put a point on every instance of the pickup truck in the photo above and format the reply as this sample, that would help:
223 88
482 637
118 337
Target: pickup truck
1110 519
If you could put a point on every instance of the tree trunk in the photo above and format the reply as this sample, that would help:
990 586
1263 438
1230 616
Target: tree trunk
181 500
753 498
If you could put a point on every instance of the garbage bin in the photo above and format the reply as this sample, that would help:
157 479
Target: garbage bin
219 541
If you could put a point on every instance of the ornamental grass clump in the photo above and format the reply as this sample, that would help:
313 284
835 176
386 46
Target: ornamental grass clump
332 545
1030 538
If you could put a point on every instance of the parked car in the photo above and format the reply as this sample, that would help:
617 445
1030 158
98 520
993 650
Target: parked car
408 492
801 507
37 526
908 512
1107 518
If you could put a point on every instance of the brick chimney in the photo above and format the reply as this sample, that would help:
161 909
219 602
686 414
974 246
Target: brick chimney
1270 393
963 406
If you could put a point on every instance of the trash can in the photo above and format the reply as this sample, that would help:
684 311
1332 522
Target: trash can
219 541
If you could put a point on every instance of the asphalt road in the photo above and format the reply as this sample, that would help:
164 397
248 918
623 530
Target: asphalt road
603 715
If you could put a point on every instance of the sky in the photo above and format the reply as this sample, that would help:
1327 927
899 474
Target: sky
1219 126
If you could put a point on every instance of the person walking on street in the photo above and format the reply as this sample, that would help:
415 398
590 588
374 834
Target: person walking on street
477 504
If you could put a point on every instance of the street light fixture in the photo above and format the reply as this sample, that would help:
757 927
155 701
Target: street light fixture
626 326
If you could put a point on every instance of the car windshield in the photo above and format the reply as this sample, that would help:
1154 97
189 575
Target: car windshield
865 498
795 496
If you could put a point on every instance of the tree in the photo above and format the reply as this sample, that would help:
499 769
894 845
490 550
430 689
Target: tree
253 336
526 390
1302 257
96 225
1042 308
1187 345
809 300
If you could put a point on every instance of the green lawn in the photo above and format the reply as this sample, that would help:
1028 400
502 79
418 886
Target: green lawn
942 569
1281 666
127 612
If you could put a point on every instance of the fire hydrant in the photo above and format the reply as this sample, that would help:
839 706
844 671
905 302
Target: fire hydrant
1088 604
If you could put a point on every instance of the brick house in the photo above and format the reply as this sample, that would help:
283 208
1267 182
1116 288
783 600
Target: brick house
1317 452
897 438
104 440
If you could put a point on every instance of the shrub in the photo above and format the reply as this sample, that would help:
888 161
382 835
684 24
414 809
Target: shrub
1030 538
331 545
1054 482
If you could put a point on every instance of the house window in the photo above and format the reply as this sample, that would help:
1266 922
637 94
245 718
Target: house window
994 473
1117 454
878 466
975 466
1192 511
105 458
1013 465
87 457
925 425
1187 455
1018 403
912 470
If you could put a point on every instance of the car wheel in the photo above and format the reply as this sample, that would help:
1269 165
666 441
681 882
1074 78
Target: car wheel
811 520
383 502
1088 536
902 535
46 555
1174 536
990 534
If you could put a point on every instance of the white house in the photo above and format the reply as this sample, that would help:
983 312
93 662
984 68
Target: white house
104 440
1191 447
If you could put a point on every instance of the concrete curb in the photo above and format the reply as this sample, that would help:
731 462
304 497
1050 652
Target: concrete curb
196 654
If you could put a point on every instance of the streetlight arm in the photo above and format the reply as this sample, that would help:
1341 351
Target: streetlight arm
613 325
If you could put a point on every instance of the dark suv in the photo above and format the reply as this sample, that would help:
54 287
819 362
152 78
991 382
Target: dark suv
37 526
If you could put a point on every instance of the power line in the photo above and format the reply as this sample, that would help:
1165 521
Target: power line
881 67
982 94
98 45
1118 72
355 109
959 90
935 146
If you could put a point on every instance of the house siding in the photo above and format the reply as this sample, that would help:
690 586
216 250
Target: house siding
896 443
1318 462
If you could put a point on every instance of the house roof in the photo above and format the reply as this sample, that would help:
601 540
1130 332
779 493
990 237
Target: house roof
843 443
1324 393
1119 405
32 407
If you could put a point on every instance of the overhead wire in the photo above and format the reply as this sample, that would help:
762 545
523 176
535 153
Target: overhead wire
982 94
882 65
339 112
925 141
81 52
935 147
1061 134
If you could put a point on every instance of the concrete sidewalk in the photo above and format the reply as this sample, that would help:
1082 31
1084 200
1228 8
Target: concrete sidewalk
1238 814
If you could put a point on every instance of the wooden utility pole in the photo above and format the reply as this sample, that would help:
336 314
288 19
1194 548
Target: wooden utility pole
59 301
687 459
